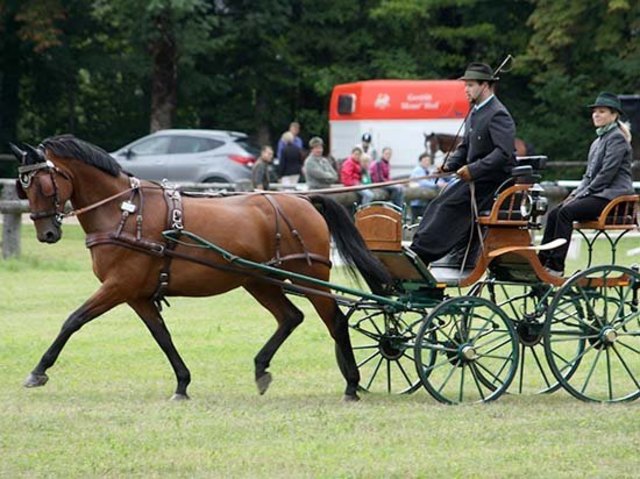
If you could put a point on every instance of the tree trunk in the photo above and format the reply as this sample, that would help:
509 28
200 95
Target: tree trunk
262 118
164 80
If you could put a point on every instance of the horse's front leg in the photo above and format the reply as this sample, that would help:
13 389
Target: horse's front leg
151 317
102 301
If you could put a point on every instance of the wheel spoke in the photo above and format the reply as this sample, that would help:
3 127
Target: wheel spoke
540 368
404 373
498 338
622 343
593 367
475 380
446 379
461 395
366 360
521 376
374 373
495 347
608 356
496 378
626 367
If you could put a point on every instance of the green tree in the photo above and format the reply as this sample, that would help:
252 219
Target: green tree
577 49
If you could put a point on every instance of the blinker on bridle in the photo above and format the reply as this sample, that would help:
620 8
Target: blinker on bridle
26 173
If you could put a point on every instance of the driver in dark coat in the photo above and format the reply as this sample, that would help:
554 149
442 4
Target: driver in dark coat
485 157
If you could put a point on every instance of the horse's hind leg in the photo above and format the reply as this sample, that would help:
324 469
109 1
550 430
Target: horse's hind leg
102 301
151 317
288 317
338 327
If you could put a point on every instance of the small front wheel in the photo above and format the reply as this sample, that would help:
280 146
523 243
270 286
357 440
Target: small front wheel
382 343
466 351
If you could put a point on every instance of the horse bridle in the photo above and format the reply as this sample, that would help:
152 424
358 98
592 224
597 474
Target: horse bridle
26 173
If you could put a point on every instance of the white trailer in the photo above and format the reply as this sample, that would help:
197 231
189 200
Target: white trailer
397 114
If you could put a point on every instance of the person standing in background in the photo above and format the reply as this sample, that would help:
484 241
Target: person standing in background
262 173
367 147
290 164
294 129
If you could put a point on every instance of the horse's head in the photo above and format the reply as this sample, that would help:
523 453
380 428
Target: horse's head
47 188
431 143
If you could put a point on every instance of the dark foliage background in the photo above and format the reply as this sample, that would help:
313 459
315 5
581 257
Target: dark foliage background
110 71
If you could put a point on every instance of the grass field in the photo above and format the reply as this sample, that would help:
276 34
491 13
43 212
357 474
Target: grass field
105 413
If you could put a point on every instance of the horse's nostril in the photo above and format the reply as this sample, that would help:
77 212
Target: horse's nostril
49 236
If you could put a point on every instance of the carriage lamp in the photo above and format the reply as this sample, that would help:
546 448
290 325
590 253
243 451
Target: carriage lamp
534 206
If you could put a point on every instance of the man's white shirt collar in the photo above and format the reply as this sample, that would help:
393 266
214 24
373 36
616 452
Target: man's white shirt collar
477 107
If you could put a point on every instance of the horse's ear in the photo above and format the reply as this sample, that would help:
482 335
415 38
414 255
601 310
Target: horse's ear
18 153
34 153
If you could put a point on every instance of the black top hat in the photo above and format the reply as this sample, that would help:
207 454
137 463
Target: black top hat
479 72
610 100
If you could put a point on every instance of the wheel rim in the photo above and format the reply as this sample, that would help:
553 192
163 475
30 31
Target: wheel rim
607 366
382 344
466 351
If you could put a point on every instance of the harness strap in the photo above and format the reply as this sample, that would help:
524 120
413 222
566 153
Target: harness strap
154 248
174 222
294 231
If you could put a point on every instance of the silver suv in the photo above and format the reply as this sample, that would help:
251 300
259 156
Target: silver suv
202 156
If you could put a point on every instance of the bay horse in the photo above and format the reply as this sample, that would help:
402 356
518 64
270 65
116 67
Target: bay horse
130 254
444 142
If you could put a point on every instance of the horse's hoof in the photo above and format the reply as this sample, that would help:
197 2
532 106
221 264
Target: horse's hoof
180 397
35 380
350 398
263 383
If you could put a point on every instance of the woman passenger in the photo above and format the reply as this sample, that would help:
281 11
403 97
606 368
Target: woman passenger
608 176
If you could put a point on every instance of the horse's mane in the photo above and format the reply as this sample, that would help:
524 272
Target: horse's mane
68 146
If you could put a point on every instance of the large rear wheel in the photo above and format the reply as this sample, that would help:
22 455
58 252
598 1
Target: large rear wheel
598 336
526 306
466 351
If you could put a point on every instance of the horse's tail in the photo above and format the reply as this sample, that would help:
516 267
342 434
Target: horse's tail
351 246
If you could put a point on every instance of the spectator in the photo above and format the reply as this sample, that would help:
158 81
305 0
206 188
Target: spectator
290 164
379 171
351 174
263 173
367 147
425 167
294 129
365 163
317 169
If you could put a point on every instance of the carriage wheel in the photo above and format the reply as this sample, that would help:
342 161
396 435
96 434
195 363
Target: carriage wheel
599 338
466 351
526 306
382 343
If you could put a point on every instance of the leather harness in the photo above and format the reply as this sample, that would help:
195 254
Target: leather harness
175 223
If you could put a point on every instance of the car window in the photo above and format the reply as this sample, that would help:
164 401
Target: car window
158 145
193 144
248 146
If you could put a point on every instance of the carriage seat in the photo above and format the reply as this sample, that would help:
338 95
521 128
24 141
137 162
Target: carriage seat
621 213
380 226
